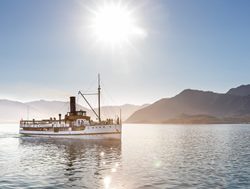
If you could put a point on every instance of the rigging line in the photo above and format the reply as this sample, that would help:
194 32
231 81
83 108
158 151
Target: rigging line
110 109
113 101
115 112
108 94
83 106
30 107
80 106
62 107
90 94
88 104
90 86
103 108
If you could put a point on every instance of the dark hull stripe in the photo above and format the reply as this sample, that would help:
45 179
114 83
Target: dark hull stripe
71 134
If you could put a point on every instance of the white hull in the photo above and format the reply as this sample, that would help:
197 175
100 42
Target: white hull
90 132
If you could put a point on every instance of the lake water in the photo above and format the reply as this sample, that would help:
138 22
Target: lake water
149 156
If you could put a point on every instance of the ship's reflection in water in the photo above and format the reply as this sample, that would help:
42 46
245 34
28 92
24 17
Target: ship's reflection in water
68 163
150 156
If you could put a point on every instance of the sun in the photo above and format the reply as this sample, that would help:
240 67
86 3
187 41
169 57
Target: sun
114 24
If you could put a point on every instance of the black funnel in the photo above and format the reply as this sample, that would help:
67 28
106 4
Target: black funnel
72 104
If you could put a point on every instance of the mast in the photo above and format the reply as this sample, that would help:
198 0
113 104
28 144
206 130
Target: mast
98 115
99 99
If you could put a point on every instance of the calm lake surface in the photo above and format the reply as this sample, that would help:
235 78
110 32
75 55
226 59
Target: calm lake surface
149 156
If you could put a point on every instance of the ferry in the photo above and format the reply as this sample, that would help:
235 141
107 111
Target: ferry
75 124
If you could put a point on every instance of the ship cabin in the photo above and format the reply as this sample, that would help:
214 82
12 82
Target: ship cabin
77 120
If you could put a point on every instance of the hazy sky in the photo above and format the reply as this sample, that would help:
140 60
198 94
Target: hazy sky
47 50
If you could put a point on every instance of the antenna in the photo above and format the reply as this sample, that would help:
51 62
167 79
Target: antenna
99 99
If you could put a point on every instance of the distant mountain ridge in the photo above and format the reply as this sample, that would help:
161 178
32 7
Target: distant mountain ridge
13 111
195 106
190 106
243 90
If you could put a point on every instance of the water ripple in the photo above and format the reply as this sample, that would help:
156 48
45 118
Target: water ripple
152 156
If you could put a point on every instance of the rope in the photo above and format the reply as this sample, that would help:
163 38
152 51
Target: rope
111 100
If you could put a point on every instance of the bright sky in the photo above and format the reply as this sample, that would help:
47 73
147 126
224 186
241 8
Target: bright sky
144 50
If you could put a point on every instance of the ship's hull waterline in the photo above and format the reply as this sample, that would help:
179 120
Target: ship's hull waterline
100 132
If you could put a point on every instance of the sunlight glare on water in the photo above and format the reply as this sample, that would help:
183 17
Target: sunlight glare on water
149 156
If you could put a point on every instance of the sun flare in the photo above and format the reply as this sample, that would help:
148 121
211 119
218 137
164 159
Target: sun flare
114 24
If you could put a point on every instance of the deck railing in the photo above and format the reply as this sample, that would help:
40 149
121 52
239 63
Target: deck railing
42 123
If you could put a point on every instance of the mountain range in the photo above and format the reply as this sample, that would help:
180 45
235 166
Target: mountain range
195 106
190 106
13 111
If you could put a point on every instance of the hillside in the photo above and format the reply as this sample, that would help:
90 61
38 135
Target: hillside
194 106
13 111
243 90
